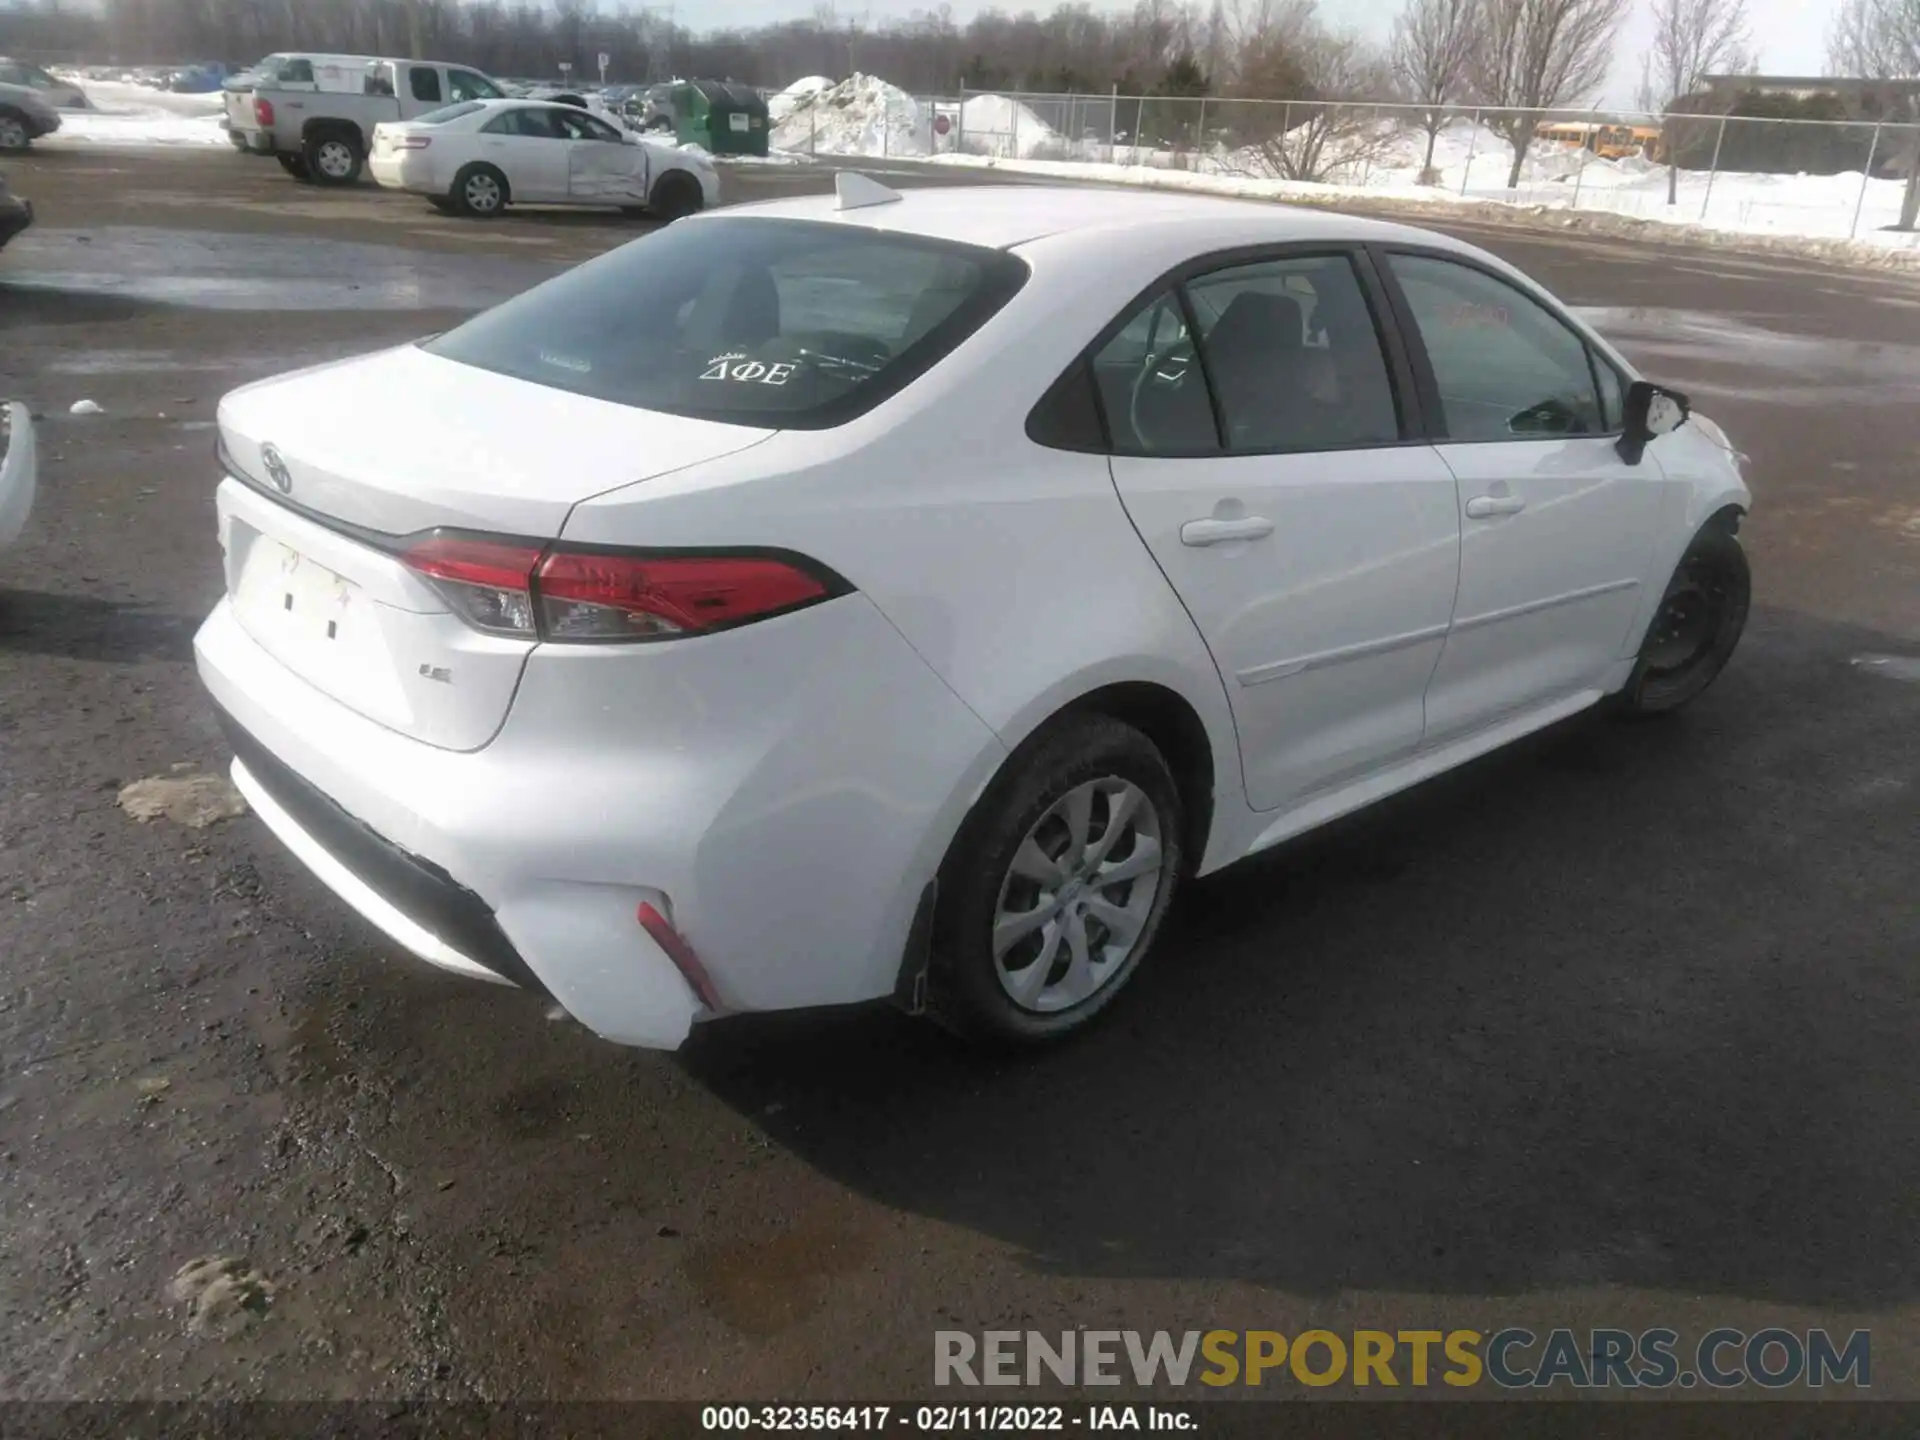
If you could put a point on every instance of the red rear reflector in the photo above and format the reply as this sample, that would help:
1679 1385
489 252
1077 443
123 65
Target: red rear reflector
681 954
263 112
586 596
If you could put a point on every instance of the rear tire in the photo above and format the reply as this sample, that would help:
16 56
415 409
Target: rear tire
15 134
1088 799
675 196
1694 632
442 203
480 191
333 157
296 166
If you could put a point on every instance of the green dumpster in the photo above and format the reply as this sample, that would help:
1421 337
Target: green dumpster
721 117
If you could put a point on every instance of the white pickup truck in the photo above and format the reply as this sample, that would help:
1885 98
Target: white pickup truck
315 114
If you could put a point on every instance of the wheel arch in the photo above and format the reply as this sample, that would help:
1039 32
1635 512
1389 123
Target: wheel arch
1166 718
1161 712
322 126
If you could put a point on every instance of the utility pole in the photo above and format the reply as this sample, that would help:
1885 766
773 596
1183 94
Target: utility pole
416 36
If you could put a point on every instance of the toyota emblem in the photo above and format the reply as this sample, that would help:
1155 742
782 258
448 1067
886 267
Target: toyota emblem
277 469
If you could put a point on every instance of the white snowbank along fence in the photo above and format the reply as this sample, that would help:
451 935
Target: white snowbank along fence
1823 179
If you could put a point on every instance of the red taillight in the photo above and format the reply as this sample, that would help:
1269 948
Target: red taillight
590 596
263 112
504 587
488 582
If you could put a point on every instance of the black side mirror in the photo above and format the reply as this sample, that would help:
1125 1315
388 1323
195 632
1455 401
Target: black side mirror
1651 411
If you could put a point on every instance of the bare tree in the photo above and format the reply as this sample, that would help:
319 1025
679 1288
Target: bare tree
1283 53
1693 39
1432 45
1876 40
1880 40
1533 56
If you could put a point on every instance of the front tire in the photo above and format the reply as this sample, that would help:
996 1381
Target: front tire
1057 885
675 196
479 191
15 137
1694 632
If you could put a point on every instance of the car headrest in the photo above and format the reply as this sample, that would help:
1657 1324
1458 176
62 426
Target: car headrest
1258 327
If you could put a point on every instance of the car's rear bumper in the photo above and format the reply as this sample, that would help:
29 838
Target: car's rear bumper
401 170
781 795
252 142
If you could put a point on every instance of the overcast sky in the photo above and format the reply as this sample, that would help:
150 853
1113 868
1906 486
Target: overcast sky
1790 34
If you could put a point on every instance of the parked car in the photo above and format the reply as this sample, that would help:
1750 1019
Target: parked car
61 94
482 156
16 213
903 595
19 465
25 116
317 114
649 108
198 80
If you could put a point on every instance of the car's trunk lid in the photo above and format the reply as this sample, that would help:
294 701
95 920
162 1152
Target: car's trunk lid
342 464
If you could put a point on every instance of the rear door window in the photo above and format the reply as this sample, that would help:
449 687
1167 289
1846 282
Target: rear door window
1294 356
528 124
1152 386
425 81
781 323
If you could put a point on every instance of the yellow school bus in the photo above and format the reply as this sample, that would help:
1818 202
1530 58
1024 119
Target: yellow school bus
1609 141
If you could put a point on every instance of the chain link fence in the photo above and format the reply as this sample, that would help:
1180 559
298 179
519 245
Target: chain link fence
1836 179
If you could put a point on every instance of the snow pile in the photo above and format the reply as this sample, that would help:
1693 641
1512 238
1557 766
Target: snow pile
861 115
795 95
995 125
125 114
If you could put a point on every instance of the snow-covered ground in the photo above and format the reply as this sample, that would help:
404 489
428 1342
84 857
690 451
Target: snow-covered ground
135 115
865 116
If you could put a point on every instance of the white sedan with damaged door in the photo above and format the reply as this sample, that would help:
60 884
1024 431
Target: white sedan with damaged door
880 595
479 157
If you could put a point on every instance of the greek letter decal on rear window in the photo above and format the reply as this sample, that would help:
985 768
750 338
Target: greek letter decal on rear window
742 371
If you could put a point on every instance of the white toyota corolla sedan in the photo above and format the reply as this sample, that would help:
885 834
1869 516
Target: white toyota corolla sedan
480 156
884 595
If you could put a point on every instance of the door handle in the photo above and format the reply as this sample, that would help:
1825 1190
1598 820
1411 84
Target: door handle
1218 532
1485 507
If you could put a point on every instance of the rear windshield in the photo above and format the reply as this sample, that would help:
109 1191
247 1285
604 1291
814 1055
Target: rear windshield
788 324
448 112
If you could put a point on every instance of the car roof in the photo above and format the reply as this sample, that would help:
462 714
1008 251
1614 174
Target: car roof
1004 216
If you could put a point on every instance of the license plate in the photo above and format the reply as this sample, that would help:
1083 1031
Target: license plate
299 599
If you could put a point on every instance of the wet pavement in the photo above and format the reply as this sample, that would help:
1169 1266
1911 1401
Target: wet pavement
209 270
1616 1028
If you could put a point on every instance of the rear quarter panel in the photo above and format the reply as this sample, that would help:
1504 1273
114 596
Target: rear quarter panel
1010 568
